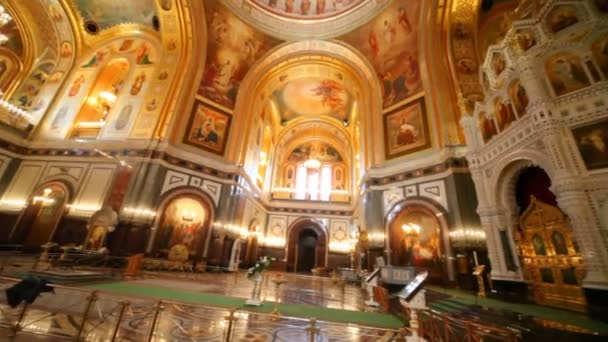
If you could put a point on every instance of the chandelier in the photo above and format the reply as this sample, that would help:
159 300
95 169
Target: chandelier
312 163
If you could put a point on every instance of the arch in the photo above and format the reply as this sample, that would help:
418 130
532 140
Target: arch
311 50
38 222
250 253
508 172
293 233
200 248
433 209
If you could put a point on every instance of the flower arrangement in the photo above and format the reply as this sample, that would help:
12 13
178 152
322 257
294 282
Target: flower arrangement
259 267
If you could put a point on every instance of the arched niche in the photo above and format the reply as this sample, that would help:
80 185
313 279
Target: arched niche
40 220
333 53
183 217
249 255
106 91
417 236
305 228
100 99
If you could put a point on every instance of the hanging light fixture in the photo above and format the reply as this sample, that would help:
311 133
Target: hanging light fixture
312 163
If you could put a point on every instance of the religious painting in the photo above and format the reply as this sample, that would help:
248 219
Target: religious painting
487 127
166 4
566 73
498 63
390 43
208 128
232 48
525 39
307 9
27 95
108 13
65 49
600 53
592 143
142 54
318 150
415 239
561 17
519 97
312 97
123 117
406 129
138 83
182 223
503 113
11 36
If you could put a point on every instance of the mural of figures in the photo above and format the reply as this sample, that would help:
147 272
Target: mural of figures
208 128
406 129
66 49
561 17
182 223
138 83
76 85
487 127
390 43
11 35
108 13
526 39
123 118
503 114
307 9
313 96
27 95
99 57
519 97
232 48
498 63
419 248
592 142
142 54
321 151
566 73
600 53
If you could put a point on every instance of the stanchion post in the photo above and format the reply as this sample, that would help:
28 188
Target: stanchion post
123 307
157 311
17 327
91 299
231 319
312 330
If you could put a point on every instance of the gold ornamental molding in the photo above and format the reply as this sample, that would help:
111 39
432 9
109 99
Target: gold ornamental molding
286 28
350 59
463 57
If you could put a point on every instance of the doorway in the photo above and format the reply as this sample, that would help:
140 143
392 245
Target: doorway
307 251
307 246
41 218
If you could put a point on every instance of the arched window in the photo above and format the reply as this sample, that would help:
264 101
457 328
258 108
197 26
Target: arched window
313 184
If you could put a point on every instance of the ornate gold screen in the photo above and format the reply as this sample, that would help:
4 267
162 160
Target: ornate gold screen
552 263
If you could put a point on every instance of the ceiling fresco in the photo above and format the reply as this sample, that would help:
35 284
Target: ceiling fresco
307 9
10 38
390 43
108 13
232 48
321 151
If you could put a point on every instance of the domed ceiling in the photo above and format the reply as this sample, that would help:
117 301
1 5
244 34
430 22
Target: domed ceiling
108 13
305 19
307 9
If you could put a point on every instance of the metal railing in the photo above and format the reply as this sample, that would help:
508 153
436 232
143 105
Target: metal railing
77 314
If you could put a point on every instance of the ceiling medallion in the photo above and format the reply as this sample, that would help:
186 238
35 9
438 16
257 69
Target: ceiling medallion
305 19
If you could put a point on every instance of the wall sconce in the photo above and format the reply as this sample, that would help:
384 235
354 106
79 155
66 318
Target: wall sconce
188 215
44 199
411 229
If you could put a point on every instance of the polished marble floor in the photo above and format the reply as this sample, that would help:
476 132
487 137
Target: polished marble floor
61 314
296 289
